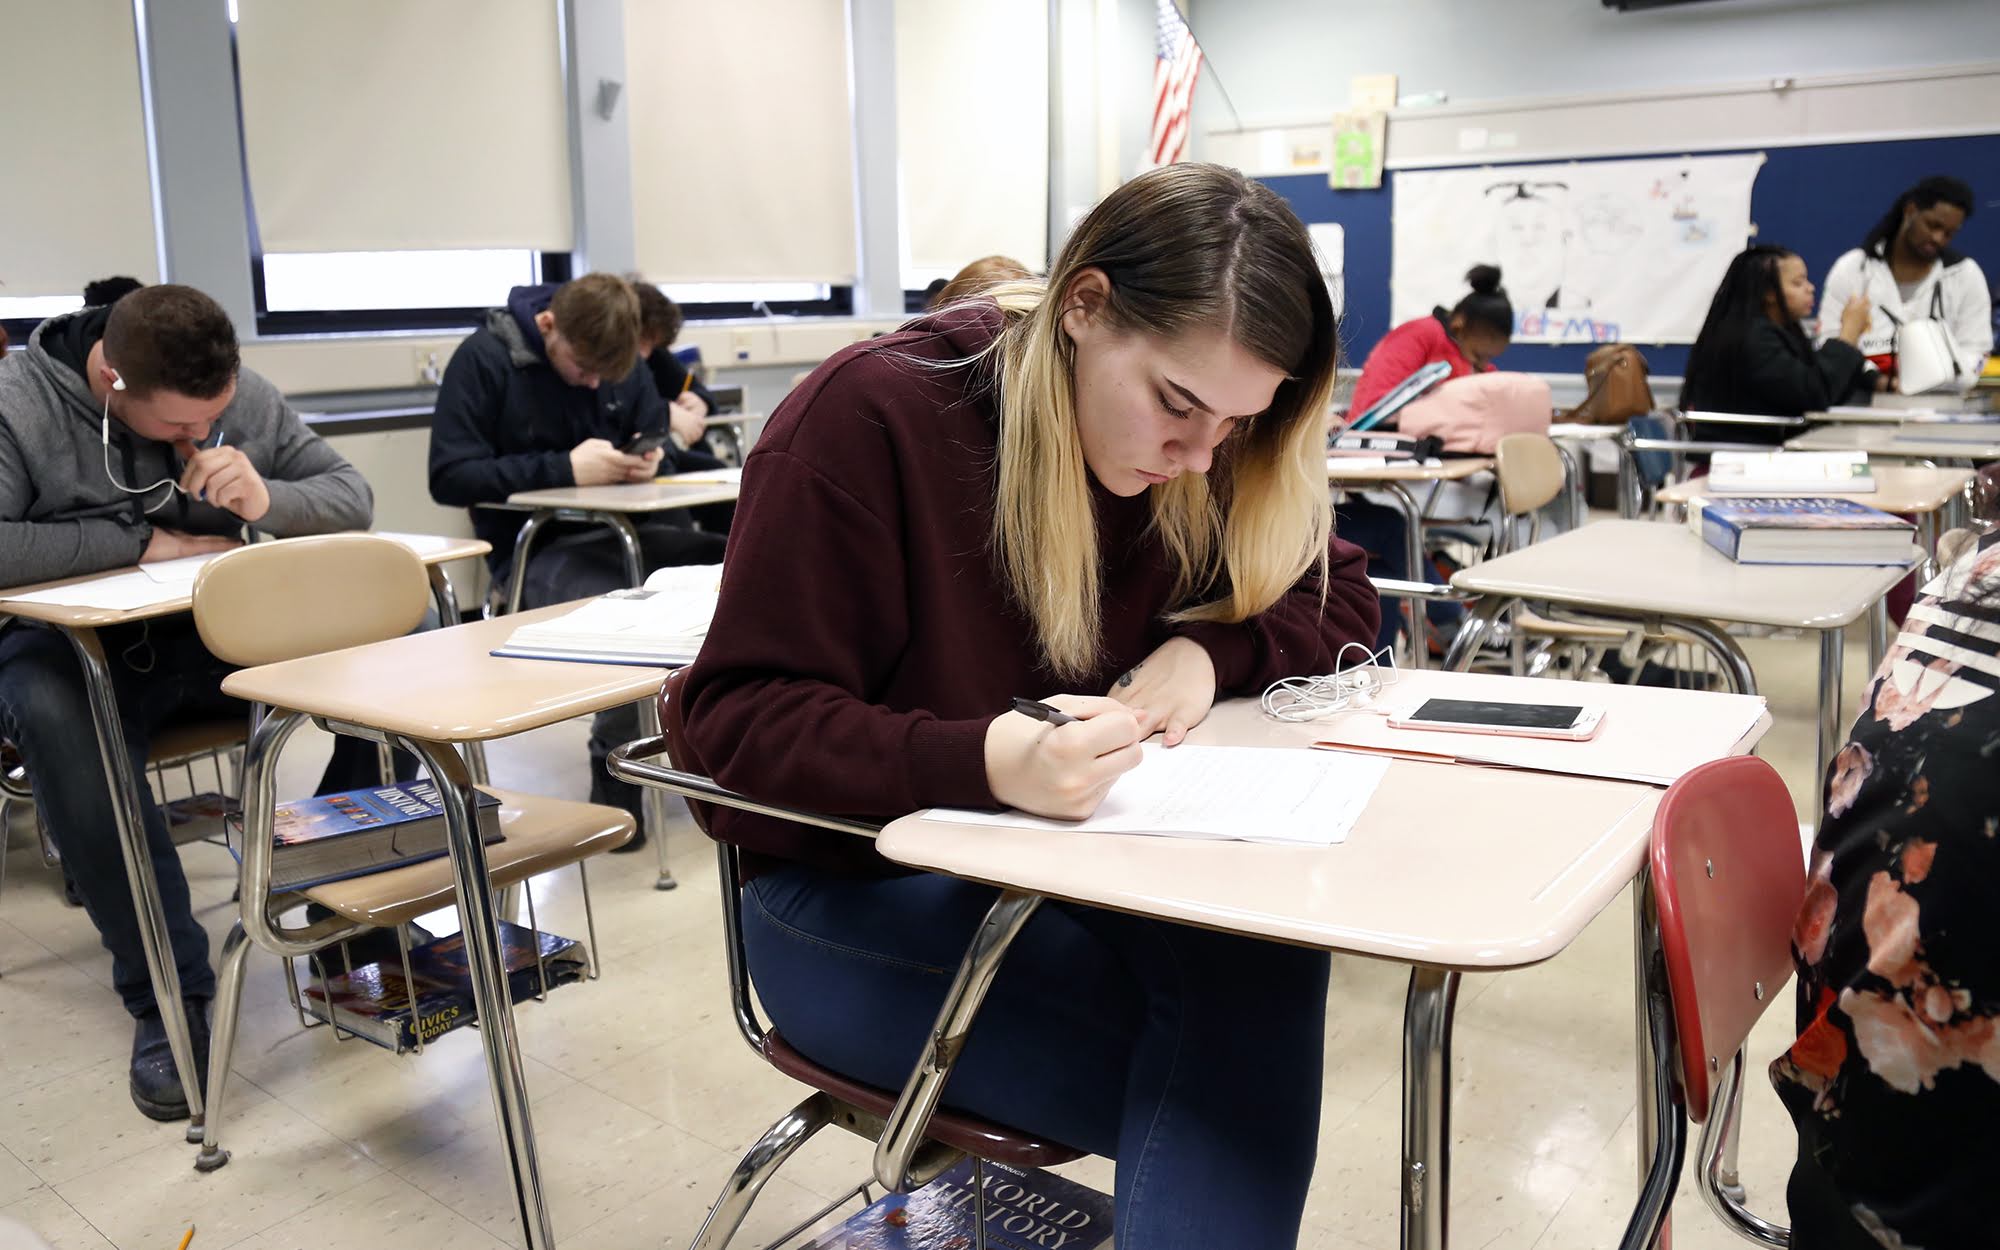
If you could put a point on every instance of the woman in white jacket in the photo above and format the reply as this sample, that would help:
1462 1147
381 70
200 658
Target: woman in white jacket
1907 270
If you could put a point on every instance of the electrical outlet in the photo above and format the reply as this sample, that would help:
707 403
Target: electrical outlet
430 370
739 345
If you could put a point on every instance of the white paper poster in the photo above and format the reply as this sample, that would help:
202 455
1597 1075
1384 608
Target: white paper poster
1592 252
1329 241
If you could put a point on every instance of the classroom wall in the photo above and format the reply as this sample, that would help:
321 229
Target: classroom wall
1290 61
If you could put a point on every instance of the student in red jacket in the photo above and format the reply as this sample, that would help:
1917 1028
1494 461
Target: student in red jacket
1468 338
1108 490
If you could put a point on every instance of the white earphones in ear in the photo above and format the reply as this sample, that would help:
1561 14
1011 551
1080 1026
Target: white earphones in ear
117 383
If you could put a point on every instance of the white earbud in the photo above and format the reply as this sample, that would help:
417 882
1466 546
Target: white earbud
117 383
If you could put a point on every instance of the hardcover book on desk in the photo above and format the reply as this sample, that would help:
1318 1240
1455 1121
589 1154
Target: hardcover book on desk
336 836
1801 531
1024 1211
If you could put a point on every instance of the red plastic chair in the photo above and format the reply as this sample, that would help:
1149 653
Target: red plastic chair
861 1109
1727 880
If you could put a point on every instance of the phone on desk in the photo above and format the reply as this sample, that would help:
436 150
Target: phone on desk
1568 722
642 443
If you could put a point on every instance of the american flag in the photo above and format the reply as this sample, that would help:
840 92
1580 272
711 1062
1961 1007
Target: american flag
1177 61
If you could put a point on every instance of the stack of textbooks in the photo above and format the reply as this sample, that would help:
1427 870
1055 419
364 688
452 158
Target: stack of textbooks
1024 1211
374 1002
1802 531
337 836
663 623
1789 473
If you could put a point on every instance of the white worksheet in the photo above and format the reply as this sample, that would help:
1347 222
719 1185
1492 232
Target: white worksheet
1284 795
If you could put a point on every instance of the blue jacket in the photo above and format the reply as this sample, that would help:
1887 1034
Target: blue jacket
506 421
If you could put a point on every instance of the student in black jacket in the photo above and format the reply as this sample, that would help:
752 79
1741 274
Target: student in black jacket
1753 356
546 393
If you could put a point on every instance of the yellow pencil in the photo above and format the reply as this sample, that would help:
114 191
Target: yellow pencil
186 1237
687 380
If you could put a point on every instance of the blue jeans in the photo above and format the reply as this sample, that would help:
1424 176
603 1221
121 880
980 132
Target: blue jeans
160 673
1191 1057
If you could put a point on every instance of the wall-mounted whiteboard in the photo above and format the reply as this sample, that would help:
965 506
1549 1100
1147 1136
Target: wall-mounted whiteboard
1590 253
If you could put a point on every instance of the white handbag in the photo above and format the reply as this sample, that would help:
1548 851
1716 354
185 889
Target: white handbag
1926 357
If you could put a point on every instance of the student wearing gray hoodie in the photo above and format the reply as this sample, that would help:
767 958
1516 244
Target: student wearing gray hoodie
131 434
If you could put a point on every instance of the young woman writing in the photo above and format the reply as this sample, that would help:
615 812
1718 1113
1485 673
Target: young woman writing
1108 489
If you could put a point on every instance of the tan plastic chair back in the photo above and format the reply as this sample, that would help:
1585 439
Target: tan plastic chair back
281 600
1530 470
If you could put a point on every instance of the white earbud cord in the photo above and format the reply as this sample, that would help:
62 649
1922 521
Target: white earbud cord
1346 689
105 435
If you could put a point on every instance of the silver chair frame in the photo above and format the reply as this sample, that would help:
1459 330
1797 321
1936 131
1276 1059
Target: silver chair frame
905 1158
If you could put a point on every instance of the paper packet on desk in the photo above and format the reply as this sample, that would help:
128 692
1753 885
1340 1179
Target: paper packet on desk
662 623
1280 795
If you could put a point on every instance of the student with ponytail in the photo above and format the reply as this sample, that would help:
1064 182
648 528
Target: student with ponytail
1468 338
1108 489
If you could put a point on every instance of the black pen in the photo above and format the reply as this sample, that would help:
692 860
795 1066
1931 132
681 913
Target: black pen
1035 709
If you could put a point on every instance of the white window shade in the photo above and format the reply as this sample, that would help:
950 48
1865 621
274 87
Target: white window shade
972 133
78 199
742 140
386 126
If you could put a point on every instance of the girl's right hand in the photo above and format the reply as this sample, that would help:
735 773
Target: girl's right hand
1061 771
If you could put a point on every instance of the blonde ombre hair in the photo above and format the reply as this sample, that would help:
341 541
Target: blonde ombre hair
1185 248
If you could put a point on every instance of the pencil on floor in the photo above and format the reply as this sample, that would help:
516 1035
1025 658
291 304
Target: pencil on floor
186 1237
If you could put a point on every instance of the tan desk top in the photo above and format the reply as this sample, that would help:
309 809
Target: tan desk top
444 686
452 548
1885 440
1532 858
627 497
1342 473
1909 489
1652 566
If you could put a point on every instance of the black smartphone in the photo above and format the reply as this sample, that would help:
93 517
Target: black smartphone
641 444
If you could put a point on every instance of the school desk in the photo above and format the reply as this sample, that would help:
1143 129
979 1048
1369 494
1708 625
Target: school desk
1449 869
80 624
1665 577
1394 478
430 693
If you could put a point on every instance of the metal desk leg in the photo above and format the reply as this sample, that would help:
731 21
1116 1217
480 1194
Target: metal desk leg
125 810
1644 942
653 800
1473 630
445 597
1574 457
1879 630
628 545
489 983
517 571
1717 642
1413 550
1426 1176
1832 650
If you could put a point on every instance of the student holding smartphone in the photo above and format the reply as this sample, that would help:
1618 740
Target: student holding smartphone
548 393
1111 484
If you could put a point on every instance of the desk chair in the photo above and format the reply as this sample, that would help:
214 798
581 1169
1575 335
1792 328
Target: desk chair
935 1140
1725 887
1531 473
280 601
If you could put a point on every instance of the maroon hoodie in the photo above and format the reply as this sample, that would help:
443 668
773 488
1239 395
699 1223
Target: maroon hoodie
864 640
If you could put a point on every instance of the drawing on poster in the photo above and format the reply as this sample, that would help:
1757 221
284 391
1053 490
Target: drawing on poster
1589 252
